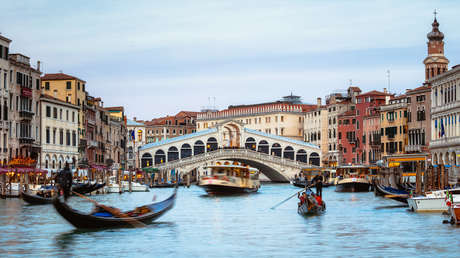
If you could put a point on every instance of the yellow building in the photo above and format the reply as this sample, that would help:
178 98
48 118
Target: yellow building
67 88
393 126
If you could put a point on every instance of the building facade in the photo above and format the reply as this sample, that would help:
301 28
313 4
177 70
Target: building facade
393 126
24 94
315 127
371 137
418 119
59 133
135 139
116 137
284 118
167 127
5 110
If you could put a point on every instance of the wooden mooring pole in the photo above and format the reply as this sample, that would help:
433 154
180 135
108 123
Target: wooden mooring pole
418 179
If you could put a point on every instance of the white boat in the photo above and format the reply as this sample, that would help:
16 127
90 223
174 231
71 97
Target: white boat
113 186
434 201
230 177
135 187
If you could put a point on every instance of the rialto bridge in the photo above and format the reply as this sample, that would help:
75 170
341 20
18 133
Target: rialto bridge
279 158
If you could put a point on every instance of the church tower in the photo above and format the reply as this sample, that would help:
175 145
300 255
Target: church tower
435 63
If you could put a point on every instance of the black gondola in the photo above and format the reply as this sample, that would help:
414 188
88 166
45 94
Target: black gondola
392 193
82 188
311 206
104 219
35 199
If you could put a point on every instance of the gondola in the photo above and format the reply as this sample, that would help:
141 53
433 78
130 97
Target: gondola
82 188
35 199
95 187
104 219
300 183
392 193
311 205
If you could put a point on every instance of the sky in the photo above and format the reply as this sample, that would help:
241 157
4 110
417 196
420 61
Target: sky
157 58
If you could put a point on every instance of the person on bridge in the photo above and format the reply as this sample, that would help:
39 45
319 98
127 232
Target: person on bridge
318 183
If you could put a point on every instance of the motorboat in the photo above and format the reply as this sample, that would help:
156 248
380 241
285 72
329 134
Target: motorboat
434 201
391 193
227 177
353 184
135 187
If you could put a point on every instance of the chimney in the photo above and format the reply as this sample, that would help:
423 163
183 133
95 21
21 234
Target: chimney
135 119
55 93
385 90
102 103
318 102
38 66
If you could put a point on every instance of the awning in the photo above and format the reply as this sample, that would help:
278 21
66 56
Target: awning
150 170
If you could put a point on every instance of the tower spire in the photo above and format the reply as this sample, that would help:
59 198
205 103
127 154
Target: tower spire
435 63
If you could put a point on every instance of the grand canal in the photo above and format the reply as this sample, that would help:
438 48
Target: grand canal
355 224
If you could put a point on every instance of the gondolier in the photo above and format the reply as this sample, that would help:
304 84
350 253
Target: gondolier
64 179
318 183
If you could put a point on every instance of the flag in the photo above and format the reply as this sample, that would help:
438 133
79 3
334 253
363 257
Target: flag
436 123
132 135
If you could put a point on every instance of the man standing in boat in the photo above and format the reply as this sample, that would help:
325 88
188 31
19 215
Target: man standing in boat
64 178
318 183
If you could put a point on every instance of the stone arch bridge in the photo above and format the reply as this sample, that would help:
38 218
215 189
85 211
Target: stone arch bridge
277 157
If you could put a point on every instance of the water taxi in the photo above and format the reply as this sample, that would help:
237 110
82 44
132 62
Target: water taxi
434 201
230 177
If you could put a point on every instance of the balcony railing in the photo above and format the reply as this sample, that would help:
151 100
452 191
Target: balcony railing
91 121
26 139
413 148
93 144
26 114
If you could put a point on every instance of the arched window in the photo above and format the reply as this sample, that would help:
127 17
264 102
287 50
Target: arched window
302 155
276 149
288 153
211 144
198 148
160 157
263 147
185 151
173 153
250 144
314 159
146 160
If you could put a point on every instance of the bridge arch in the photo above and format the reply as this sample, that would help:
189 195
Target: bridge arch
301 156
160 157
276 149
288 153
264 147
314 159
173 153
250 144
185 151
198 148
146 160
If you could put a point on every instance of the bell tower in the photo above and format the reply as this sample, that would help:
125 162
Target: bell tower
435 63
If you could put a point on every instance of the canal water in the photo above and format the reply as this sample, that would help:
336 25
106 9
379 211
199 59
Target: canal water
355 224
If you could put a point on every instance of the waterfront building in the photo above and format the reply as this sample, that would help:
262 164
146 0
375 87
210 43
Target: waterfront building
70 89
315 127
95 131
393 126
167 127
116 138
371 137
135 139
347 137
337 103
4 97
284 117
24 93
418 119
366 105
445 117
59 133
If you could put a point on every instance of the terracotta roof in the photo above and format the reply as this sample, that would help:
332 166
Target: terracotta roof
354 88
59 76
374 93
348 113
5 39
114 108
424 87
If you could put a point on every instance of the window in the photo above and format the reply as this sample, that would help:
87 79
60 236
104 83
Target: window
78 83
68 138
47 135
61 137
48 111
282 118
54 135
60 113
73 116
69 85
55 113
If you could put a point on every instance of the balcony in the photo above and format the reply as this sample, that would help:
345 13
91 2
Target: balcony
92 144
26 114
375 143
26 140
5 150
413 148
91 121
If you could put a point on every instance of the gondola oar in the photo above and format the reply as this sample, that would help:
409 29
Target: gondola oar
113 211
287 199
